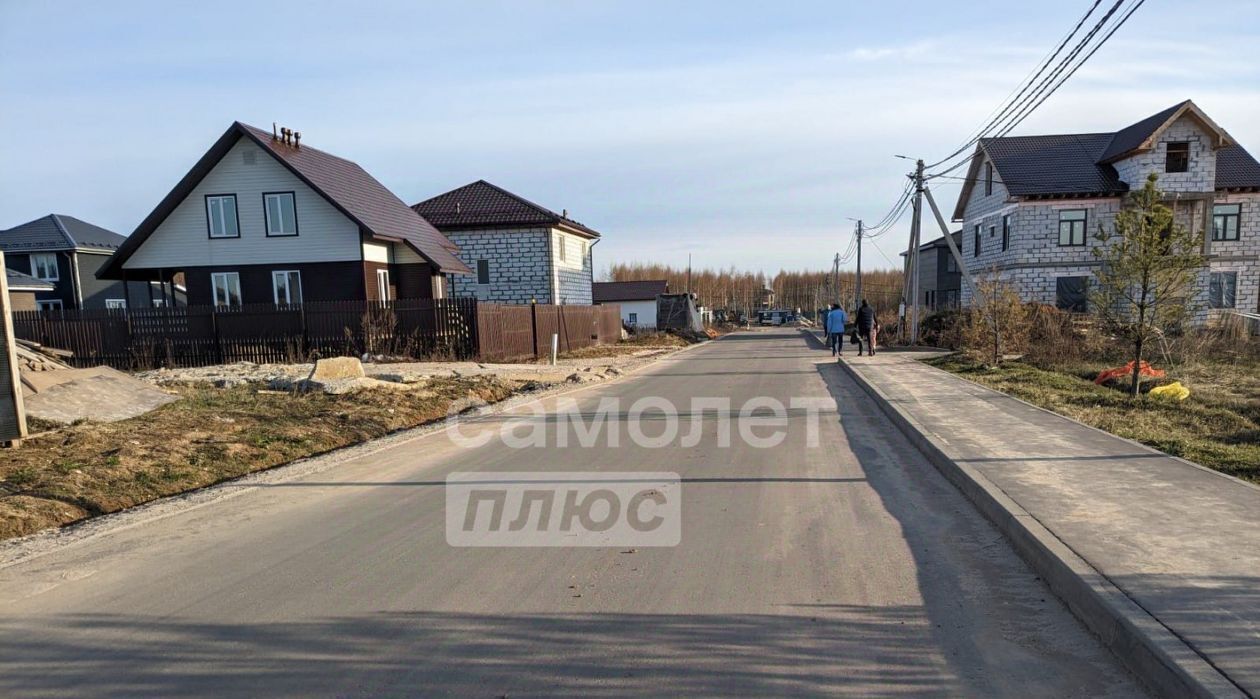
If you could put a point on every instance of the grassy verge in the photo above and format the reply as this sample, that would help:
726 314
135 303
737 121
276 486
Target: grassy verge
1218 426
208 436
635 343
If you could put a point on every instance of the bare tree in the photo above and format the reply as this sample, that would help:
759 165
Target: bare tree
1149 264
997 322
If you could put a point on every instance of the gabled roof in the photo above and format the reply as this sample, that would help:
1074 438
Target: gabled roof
645 290
1141 136
938 243
1077 165
25 282
58 232
348 187
484 205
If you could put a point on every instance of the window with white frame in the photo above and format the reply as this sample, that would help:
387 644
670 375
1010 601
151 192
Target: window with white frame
159 303
1222 289
48 304
1225 221
281 208
115 304
286 287
382 284
44 266
634 319
221 217
227 288
1072 227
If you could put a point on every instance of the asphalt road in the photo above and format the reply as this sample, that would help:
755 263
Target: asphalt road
852 567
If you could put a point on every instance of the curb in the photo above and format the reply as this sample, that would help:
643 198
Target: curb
1158 657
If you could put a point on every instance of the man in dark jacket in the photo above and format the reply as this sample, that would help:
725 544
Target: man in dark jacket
866 328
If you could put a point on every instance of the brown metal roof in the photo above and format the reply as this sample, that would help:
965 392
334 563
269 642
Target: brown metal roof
484 205
343 183
644 290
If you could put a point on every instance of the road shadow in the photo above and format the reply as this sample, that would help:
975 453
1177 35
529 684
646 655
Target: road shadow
817 652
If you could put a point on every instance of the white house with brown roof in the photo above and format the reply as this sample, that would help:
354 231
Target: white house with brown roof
520 251
637 300
1030 205
265 218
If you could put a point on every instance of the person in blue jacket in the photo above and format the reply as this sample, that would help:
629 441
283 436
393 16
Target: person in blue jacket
836 320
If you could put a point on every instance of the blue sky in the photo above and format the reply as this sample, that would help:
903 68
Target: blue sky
743 133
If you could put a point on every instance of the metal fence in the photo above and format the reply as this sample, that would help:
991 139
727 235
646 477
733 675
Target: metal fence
204 335
458 328
512 332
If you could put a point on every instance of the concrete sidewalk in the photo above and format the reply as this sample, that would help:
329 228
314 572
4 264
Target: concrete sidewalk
1159 556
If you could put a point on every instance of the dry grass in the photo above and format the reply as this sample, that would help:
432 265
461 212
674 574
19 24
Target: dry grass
1218 426
636 343
209 436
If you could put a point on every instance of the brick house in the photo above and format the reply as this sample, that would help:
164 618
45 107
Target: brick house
1030 206
65 253
520 251
264 218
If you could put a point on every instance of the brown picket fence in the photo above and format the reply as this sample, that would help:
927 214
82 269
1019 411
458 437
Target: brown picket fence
458 328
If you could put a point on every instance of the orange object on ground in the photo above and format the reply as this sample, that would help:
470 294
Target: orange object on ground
1127 370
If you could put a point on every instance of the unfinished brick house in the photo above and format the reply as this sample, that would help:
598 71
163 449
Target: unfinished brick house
1030 206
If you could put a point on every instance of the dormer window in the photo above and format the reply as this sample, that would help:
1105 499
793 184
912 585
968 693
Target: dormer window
1178 157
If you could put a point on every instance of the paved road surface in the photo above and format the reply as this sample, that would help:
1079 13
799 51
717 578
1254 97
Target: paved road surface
853 568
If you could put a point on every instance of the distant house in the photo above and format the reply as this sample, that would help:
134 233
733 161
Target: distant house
65 253
940 281
521 251
1031 204
637 299
23 290
264 218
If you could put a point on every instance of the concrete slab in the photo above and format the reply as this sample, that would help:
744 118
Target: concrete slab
1177 543
100 393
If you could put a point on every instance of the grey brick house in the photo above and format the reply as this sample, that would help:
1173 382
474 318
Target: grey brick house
519 251
1030 206
65 254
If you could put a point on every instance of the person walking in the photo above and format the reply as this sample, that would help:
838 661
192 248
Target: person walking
866 325
836 319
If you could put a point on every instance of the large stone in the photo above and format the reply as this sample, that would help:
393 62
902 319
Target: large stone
336 368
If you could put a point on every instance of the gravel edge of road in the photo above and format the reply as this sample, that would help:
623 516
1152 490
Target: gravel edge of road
1160 659
24 549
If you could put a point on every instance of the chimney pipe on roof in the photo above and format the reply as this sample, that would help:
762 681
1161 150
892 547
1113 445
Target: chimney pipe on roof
274 136
297 139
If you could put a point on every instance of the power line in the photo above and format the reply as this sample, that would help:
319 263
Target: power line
1052 82
1027 83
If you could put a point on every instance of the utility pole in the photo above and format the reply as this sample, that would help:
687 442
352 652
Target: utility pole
916 227
857 293
835 279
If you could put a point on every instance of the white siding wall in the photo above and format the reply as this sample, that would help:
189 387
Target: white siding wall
376 252
645 313
182 240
